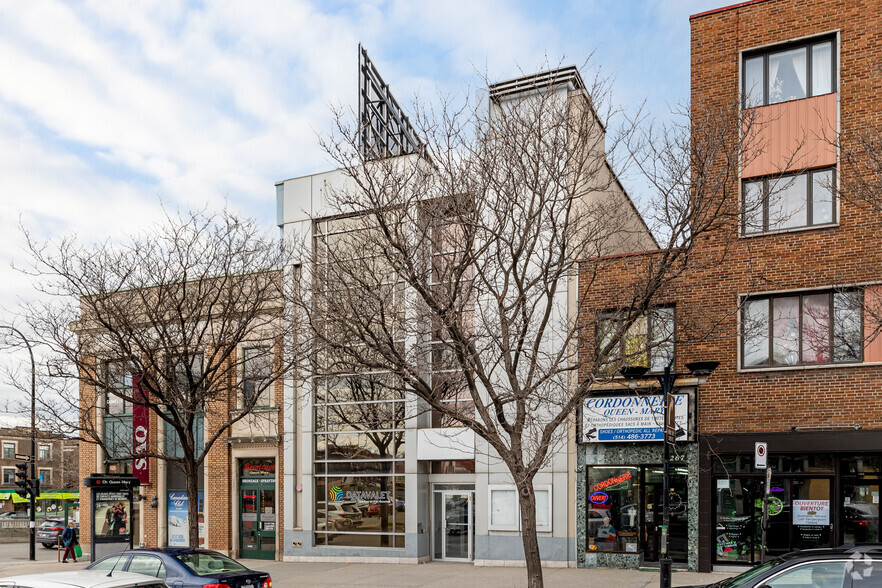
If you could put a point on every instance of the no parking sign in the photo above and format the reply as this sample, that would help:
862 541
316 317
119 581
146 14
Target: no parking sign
760 449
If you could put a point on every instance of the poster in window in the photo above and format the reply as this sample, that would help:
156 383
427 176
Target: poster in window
178 527
111 514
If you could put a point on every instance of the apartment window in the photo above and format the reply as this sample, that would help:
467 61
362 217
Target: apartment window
45 476
649 341
9 450
256 368
43 452
788 202
788 73
8 476
802 329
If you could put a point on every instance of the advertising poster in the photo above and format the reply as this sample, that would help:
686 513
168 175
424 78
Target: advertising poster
178 528
811 512
111 514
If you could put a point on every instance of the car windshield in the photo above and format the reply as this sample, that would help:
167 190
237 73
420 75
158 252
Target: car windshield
742 579
348 508
206 564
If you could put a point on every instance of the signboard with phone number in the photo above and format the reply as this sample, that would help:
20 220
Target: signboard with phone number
629 418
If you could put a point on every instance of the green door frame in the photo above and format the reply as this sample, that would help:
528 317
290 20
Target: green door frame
264 523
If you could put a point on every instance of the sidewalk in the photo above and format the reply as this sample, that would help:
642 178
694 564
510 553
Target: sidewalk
455 575
435 574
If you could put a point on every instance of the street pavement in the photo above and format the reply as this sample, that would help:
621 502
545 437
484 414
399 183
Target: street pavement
14 561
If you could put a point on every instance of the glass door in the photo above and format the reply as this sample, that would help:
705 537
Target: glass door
457 517
678 530
257 523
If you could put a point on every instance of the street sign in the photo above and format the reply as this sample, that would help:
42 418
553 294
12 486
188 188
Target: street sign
760 449
23 456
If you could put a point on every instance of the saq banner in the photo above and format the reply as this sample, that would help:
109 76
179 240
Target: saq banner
630 418
140 433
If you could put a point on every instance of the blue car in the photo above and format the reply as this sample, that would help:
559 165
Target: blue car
182 567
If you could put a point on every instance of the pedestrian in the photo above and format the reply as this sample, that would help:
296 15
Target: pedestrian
69 540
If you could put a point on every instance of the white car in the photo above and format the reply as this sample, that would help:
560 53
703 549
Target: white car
81 579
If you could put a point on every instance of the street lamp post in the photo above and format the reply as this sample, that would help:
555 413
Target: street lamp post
32 554
700 370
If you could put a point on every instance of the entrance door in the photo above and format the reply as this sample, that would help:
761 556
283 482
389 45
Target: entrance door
257 523
678 530
455 529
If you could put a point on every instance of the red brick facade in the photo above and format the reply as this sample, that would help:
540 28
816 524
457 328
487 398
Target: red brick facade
808 408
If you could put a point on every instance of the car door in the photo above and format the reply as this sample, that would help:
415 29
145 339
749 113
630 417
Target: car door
149 565
815 574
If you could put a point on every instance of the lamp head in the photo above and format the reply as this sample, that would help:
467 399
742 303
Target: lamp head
702 368
634 371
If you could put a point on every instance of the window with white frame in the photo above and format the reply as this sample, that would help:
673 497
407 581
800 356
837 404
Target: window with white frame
802 329
788 201
9 450
45 476
8 476
505 514
44 452
789 72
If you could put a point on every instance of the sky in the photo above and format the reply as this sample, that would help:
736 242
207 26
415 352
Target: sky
110 110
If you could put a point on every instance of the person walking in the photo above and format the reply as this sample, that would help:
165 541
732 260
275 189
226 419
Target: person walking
69 540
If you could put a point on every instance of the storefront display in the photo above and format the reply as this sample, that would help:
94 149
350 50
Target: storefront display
624 510
803 509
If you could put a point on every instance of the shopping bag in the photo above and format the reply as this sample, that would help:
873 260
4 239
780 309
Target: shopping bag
78 551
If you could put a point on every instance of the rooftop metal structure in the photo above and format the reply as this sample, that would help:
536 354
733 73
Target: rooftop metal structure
564 75
385 130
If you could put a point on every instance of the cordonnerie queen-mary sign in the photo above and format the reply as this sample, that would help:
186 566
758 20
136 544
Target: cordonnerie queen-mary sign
630 418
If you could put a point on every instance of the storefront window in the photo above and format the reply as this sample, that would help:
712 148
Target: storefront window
348 508
613 516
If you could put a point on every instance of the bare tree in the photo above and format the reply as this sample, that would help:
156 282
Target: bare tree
451 276
184 319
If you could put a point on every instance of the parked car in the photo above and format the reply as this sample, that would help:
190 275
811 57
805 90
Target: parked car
81 579
346 511
183 567
839 567
50 530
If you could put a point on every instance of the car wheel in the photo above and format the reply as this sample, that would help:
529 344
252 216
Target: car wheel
48 545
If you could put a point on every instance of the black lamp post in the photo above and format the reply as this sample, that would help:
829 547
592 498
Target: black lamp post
700 370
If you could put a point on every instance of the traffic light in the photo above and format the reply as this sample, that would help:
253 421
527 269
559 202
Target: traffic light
35 487
21 479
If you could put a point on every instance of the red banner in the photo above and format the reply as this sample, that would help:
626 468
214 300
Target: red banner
140 432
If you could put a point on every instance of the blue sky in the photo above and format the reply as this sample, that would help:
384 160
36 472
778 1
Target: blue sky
108 107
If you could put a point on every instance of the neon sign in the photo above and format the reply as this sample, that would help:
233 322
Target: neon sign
611 481
599 497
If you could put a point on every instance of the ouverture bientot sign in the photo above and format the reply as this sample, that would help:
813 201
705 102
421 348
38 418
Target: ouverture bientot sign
630 418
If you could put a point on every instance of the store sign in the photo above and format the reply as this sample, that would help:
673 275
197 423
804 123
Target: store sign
811 512
337 494
258 468
611 482
140 433
630 418
599 498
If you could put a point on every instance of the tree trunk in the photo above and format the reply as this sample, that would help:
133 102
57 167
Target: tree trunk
192 506
528 534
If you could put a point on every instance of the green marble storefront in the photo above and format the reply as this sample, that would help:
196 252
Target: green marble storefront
618 501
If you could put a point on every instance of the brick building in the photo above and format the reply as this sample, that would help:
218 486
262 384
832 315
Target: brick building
791 304
57 465
240 492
